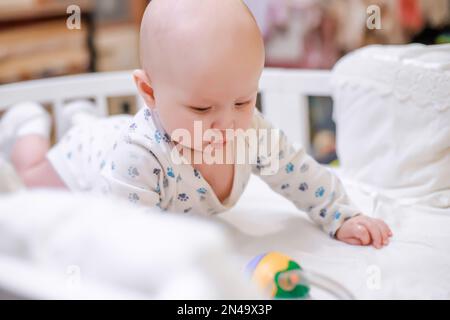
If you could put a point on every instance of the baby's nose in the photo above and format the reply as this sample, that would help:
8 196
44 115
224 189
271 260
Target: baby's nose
223 125
222 130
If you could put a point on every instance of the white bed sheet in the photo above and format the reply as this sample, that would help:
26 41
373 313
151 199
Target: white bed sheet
39 239
415 265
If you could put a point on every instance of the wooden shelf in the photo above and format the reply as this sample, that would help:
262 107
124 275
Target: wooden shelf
40 9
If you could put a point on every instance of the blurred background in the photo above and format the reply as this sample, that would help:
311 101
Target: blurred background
35 41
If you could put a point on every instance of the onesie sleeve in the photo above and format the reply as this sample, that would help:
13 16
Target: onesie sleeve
133 172
295 175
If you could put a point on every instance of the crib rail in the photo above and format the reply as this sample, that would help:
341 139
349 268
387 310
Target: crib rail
284 95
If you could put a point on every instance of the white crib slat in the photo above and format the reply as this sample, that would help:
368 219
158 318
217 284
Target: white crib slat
285 99
102 105
57 112
140 103
304 82
301 104
288 112
108 84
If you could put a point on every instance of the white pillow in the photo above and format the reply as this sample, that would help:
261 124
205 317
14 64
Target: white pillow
392 109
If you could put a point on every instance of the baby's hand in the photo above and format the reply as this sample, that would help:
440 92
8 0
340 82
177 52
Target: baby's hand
362 231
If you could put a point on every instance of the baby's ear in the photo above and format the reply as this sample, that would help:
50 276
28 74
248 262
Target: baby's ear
144 87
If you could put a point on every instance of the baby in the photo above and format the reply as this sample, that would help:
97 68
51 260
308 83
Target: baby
201 64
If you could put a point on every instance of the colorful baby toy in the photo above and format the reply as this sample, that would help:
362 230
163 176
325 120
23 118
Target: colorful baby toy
279 274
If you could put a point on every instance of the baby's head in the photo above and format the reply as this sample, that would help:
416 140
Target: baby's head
201 60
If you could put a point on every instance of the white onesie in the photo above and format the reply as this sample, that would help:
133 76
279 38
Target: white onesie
130 157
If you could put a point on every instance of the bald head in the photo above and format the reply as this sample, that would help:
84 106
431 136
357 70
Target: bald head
186 35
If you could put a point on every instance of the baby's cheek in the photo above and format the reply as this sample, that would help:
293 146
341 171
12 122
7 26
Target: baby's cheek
244 121
177 121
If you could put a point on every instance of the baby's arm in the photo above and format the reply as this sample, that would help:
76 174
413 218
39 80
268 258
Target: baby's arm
133 173
317 191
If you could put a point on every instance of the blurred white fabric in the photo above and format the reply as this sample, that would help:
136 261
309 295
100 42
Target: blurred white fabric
392 110
117 250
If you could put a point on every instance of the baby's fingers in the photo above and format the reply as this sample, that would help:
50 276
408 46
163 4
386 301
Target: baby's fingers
353 241
386 227
363 234
375 233
384 231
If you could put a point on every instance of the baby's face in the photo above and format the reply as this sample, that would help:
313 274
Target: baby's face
216 96
203 71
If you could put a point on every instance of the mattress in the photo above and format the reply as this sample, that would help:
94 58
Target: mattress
415 265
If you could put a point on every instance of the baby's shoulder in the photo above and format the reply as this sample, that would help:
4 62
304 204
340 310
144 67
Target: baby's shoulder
140 141
260 122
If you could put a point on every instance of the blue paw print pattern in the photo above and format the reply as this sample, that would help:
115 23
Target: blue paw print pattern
133 197
285 186
197 174
303 186
158 136
170 172
323 213
147 114
304 168
337 215
158 189
320 192
289 168
259 164
183 197
201 190
166 138
133 172
133 127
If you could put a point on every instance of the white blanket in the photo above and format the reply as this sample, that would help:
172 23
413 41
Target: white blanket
415 265
61 245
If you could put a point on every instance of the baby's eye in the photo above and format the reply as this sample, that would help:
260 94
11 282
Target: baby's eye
200 109
242 104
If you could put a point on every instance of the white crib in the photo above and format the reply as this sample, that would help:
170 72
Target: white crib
284 95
